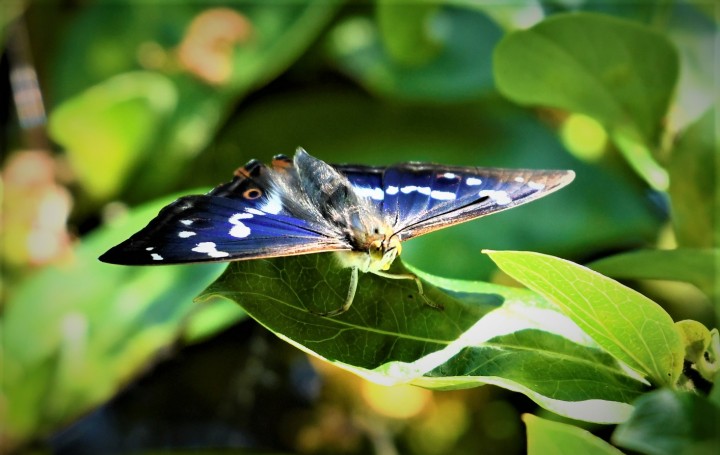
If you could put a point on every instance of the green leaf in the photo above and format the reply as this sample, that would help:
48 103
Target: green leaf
557 438
616 71
667 422
388 321
450 63
627 324
405 30
391 336
73 334
561 375
106 129
693 168
128 36
693 266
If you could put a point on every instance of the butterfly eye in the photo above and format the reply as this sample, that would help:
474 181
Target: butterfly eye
252 193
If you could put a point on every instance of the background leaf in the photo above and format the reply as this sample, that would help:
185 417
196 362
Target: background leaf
618 72
106 129
262 39
450 64
693 168
406 31
81 352
684 264
545 436
627 324
668 422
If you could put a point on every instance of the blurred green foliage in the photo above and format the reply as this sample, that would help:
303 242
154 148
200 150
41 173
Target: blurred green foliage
150 99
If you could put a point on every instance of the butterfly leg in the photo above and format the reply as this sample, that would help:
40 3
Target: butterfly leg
410 276
350 296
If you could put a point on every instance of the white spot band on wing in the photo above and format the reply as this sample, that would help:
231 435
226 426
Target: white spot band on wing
420 189
500 197
442 195
156 257
239 216
472 181
186 222
210 249
536 186
239 229
391 190
186 234
374 193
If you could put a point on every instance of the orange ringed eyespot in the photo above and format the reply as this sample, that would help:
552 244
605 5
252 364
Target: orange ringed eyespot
252 193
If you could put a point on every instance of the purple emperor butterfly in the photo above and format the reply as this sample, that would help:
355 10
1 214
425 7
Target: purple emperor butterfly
304 205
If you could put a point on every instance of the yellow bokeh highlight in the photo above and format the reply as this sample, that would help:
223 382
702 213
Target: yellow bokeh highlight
584 137
399 402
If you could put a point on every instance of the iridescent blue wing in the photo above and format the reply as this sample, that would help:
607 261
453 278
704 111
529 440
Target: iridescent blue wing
242 219
416 198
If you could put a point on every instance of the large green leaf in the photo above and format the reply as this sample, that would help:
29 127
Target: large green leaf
627 324
388 321
667 422
406 30
557 438
683 264
390 335
621 73
106 129
73 334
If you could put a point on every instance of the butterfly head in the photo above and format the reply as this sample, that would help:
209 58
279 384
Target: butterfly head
383 248
374 251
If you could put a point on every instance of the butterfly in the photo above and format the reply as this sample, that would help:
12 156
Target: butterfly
304 205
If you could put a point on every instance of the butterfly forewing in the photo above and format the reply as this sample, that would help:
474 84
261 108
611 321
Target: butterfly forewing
417 198
242 219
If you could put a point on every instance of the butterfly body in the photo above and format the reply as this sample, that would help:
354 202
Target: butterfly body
305 205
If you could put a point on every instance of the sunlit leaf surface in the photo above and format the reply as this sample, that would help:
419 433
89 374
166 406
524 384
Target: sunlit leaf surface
627 324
